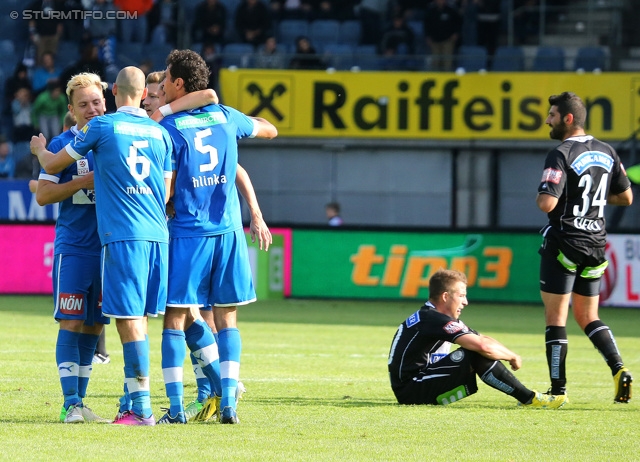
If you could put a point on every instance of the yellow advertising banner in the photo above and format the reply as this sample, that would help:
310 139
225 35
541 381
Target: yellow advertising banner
443 106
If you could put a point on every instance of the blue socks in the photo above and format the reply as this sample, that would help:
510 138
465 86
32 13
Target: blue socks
136 376
230 346
68 359
202 344
173 352
86 348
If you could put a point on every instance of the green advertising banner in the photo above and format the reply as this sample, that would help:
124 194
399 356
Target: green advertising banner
270 269
388 265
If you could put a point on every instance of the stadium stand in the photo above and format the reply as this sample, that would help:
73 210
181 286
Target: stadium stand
324 32
290 29
590 59
508 59
472 58
549 59
350 32
339 56
237 54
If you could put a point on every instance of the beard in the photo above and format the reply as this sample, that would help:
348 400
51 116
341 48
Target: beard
559 131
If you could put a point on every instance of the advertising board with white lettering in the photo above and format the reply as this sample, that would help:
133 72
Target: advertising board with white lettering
621 281
17 203
389 265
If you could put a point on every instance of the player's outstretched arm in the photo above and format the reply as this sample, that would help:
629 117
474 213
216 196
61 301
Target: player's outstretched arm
265 128
189 101
49 192
489 348
51 163
258 228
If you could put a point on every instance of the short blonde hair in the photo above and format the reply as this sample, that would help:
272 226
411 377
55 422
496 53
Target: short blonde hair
156 77
84 80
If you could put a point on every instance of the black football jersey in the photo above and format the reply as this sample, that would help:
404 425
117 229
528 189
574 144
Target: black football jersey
581 172
423 338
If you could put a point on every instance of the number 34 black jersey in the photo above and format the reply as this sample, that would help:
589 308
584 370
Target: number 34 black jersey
581 172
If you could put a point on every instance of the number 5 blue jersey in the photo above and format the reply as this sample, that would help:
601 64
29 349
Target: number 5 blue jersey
205 159
132 156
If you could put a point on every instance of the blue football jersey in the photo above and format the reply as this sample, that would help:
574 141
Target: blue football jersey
205 159
76 226
132 156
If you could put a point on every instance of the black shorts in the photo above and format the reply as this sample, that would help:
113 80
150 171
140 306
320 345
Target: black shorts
448 380
557 279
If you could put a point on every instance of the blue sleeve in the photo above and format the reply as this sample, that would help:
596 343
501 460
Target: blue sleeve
88 137
55 145
243 122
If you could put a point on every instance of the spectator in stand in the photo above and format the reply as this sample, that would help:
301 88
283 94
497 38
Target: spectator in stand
269 56
21 111
469 29
306 56
411 9
46 28
134 29
442 24
526 20
253 22
88 62
102 31
7 162
213 62
285 9
19 79
332 209
45 73
163 22
341 10
372 14
209 23
397 42
49 109
489 25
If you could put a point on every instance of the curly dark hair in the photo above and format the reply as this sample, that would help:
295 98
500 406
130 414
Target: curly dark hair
190 67
569 102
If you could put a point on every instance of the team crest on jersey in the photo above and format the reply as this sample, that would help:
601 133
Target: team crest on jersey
83 132
457 356
590 159
453 327
83 166
551 175
71 304
413 319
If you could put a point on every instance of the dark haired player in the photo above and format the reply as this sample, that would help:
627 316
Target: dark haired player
581 176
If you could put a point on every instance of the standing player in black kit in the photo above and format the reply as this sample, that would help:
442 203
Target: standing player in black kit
580 177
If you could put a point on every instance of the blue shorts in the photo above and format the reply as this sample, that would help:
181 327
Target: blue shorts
134 277
77 290
211 270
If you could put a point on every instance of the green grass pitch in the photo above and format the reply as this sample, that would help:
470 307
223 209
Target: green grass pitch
317 390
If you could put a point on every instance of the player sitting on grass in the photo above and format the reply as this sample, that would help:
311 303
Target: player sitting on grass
422 370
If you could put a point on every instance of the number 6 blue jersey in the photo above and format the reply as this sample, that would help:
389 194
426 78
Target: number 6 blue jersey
205 159
132 156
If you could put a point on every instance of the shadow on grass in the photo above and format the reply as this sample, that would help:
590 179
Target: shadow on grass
483 317
346 401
